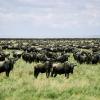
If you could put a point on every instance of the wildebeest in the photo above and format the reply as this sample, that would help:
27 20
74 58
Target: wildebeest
82 57
62 68
42 68
95 58
17 54
27 57
3 55
7 65
62 58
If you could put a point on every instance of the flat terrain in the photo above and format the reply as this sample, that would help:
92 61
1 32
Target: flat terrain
84 84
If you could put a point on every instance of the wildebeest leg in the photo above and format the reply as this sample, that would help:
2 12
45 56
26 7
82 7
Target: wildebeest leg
36 72
7 73
55 74
36 75
52 74
47 74
66 75
2 69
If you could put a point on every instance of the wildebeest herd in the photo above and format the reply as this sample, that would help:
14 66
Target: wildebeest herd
50 55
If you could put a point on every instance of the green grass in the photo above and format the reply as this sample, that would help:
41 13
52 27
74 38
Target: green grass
84 84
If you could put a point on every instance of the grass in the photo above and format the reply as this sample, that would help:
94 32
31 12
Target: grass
84 84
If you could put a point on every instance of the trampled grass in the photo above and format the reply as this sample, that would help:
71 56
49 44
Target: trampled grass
84 84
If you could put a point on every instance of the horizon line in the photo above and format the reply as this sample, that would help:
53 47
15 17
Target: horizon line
11 38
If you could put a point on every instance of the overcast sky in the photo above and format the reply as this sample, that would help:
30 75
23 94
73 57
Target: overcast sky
49 18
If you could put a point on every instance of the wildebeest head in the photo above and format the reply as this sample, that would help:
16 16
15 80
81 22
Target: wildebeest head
11 62
72 65
48 66
69 66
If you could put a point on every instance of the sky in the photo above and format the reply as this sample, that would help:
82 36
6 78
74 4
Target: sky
49 18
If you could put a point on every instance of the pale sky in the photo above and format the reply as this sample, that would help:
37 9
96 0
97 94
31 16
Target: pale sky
49 18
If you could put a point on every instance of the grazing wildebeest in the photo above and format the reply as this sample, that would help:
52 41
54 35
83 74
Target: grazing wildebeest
62 58
7 65
2 56
62 68
43 68
81 57
17 54
95 58
27 57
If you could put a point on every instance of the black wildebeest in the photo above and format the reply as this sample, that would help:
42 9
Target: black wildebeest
17 54
7 65
2 56
43 68
62 68
62 58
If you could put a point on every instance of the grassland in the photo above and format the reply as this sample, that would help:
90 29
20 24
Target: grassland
84 84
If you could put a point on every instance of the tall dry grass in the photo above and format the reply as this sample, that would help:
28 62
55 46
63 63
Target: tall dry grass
84 84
